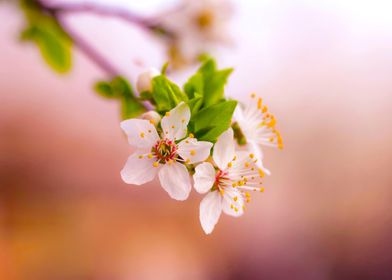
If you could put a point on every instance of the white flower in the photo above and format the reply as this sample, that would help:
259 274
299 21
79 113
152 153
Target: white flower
197 26
144 80
228 184
162 155
152 116
258 127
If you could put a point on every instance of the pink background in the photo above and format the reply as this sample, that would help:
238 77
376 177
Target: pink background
323 67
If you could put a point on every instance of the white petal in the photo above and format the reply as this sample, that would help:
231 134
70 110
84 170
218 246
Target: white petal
210 210
255 149
233 202
194 151
238 113
224 149
138 171
141 133
204 177
174 178
174 124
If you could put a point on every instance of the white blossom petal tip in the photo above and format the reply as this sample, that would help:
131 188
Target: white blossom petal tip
175 180
210 211
174 123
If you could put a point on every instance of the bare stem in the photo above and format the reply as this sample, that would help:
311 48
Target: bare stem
59 10
87 49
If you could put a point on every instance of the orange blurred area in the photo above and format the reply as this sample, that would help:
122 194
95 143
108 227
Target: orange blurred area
323 68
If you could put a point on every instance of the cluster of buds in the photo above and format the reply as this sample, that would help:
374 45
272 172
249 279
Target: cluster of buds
226 170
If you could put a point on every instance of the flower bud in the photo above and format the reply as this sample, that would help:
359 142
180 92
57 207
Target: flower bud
144 80
151 116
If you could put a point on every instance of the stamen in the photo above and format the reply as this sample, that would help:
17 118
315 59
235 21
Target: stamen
155 164
167 114
192 152
142 134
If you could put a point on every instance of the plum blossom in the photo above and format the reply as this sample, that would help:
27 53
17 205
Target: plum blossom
228 183
197 26
163 155
258 126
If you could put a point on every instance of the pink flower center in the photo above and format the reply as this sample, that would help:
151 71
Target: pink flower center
164 150
218 179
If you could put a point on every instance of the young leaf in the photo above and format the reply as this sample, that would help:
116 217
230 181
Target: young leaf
166 94
120 88
43 30
210 122
209 82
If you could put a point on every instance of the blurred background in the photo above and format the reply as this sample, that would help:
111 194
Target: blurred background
323 67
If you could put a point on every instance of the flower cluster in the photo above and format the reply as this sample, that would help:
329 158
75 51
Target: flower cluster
196 27
195 138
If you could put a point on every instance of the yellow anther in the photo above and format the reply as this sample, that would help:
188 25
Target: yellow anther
248 200
166 132
149 131
142 134
272 123
173 127
236 209
253 169
231 206
230 164
152 122
251 155
191 135
243 207
183 120
245 180
253 95
187 160
141 156
265 109
234 185
262 189
254 189
259 103
222 192
187 141
235 157
167 114
235 198
247 164
170 161
241 183
149 155
261 172
253 177
247 194
192 152
271 139
155 164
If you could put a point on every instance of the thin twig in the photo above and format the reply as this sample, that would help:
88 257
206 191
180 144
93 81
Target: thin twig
87 49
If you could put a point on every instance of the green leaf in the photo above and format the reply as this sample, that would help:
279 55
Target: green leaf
195 103
55 48
119 88
210 122
209 82
54 44
166 94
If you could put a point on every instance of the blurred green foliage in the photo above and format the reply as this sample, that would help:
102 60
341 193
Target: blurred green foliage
43 30
120 89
